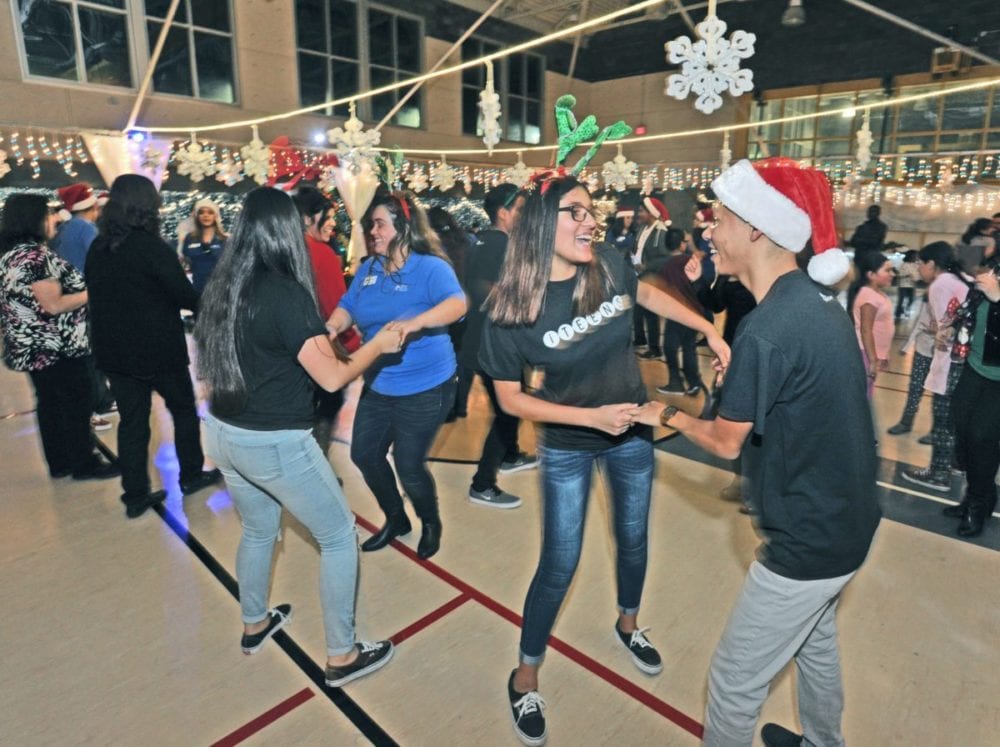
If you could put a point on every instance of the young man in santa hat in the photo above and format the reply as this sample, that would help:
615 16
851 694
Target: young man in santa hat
72 243
648 258
796 388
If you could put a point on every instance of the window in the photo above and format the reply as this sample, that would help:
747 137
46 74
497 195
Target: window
108 42
518 79
333 64
197 57
957 123
74 40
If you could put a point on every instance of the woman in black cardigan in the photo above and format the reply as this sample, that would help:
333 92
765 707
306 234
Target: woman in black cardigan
137 290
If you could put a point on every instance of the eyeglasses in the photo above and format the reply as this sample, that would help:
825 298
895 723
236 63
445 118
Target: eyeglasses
578 212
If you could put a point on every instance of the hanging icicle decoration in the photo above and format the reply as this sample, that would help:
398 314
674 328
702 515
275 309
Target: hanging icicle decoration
489 108
256 158
726 154
865 139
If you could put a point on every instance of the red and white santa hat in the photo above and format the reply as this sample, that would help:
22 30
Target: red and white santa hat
790 204
657 209
77 197
625 211
102 197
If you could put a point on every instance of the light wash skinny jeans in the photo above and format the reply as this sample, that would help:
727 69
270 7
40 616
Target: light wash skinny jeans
264 471
565 475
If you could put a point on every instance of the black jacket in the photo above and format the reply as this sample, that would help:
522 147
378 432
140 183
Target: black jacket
137 291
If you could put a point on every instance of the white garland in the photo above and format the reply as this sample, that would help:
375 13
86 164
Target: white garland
489 107
726 153
865 139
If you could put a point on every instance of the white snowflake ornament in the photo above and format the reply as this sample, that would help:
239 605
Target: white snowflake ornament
710 65
619 172
417 181
229 171
518 174
443 176
151 158
353 143
256 159
195 161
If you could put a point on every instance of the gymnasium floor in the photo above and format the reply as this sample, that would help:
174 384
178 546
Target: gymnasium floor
126 632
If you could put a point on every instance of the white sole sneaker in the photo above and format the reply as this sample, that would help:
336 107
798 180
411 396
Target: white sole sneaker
642 666
366 670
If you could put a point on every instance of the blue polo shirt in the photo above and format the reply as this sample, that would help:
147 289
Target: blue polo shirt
73 241
375 299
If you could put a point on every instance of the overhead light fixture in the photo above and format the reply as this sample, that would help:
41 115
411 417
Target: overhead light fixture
794 15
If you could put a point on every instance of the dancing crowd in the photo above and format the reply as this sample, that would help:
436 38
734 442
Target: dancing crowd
557 322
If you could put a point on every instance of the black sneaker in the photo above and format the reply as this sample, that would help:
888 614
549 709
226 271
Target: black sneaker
521 462
692 390
927 478
136 508
644 656
279 618
899 429
372 655
671 387
527 711
778 736
97 469
202 481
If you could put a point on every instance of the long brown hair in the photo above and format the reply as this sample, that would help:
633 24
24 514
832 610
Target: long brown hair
413 231
518 296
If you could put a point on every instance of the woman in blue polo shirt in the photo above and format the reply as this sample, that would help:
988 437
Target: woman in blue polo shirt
407 396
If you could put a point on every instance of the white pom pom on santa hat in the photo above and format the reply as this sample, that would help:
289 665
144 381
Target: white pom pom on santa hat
790 204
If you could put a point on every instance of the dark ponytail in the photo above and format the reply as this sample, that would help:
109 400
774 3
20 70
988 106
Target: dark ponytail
867 262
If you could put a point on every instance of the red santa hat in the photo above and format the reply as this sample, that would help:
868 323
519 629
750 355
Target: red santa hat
102 197
657 209
625 211
77 197
790 204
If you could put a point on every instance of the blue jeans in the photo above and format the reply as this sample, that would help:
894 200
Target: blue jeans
565 479
409 424
264 471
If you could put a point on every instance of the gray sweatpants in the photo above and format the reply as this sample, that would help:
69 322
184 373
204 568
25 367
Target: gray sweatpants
777 619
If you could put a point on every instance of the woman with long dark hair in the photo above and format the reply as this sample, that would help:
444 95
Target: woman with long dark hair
137 290
947 289
871 310
261 344
406 399
563 309
43 313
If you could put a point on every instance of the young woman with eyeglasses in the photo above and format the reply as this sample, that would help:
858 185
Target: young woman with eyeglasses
563 309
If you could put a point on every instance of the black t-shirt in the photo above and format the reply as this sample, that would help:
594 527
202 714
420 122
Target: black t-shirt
279 391
482 269
797 375
582 361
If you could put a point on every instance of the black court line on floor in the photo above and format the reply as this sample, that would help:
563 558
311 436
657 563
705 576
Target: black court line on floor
357 716
897 501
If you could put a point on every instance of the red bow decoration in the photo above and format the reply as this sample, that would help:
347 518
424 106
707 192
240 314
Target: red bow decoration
403 204
545 177
291 162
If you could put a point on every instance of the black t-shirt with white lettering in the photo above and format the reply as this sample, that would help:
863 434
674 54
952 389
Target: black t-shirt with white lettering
797 375
569 359
271 333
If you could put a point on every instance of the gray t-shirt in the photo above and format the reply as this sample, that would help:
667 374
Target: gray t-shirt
797 375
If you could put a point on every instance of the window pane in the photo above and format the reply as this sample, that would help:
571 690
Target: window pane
964 111
796 149
214 56
533 123
995 115
993 141
515 115
309 25
959 141
770 110
915 144
380 41
173 70
918 116
836 125
833 147
159 8
345 83
470 112
803 128
211 14
515 74
48 41
472 76
105 47
343 30
876 116
409 114
408 40
109 3
534 76
312 79
383 103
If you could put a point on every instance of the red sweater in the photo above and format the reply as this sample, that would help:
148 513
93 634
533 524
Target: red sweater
330 286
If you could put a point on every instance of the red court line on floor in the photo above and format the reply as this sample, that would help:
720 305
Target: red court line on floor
595 667
429 619
265 719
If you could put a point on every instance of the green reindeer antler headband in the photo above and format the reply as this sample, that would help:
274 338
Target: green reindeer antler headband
572 134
